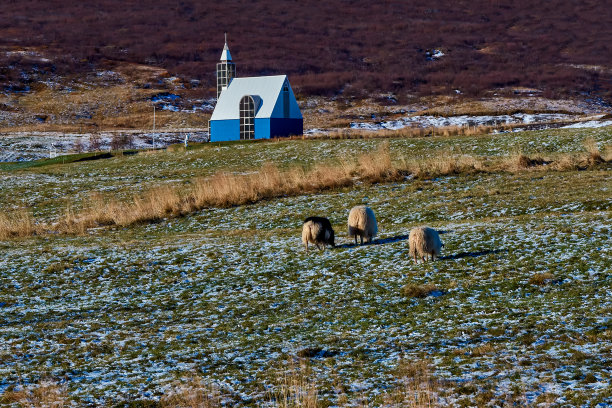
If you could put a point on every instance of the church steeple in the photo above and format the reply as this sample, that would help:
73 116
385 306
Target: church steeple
226 69
225 55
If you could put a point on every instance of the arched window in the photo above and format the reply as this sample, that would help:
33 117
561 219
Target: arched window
247 117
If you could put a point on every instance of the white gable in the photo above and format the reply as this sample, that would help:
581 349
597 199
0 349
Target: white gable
268 89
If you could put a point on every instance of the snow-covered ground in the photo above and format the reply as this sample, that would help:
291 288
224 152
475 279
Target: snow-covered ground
427 121
589 124
229 293
25 146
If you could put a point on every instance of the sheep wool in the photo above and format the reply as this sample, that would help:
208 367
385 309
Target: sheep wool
318 231
424 241
362 223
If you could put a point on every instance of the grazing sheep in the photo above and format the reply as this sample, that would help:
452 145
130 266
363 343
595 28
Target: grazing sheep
424 241
362 223
318 231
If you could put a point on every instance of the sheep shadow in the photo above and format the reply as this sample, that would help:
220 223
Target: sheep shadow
383 241
462 255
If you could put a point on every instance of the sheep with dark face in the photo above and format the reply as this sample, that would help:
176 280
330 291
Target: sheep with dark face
362 223
318 231
424 242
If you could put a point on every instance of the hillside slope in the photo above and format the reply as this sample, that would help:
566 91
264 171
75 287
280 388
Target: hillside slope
355 47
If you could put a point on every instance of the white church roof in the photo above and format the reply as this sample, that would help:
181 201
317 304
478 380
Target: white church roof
266 89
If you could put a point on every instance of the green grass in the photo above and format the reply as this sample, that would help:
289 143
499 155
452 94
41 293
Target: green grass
65 159
230 294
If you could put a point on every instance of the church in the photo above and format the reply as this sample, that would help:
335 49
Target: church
252 107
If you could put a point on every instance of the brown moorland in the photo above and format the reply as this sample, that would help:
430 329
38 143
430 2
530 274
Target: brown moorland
559 47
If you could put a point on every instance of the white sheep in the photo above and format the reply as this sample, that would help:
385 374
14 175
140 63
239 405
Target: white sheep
318 231
424 241
362 223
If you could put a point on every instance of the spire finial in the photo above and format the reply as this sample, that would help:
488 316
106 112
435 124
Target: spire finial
225 55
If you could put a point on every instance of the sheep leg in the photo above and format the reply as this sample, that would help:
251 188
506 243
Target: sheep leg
355 240
306 244
318 247
361 236
424 257
415 259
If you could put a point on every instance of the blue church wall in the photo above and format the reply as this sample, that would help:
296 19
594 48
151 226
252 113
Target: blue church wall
262 128
265 128
280 127
225 130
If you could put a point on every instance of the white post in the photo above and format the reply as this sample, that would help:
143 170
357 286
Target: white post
153 126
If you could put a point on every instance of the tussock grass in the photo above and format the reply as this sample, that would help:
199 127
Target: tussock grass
46 394
413 385
595 156
225 189
541 279
296 388
482 350
444 165
418 291
416 387
228 189
192 393
17 224
520 161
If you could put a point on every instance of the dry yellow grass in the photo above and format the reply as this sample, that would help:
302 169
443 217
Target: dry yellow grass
229 189
387 133
17 224
595 156
294 385
444 165
46 394
296 388
520 161
482 350
416 387
418 291
192 393
541 278
97 108
409 132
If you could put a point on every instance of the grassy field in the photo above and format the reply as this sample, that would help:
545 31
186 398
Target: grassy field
516 311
